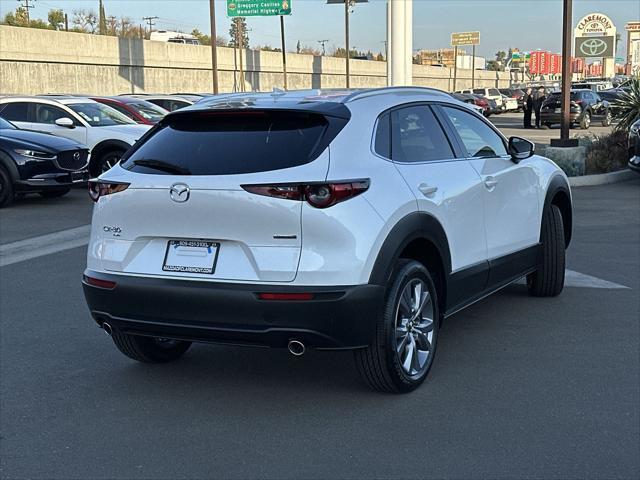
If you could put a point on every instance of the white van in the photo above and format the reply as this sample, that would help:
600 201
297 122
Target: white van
491 93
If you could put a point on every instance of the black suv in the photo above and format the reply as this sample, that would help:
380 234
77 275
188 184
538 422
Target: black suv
35 162
586 107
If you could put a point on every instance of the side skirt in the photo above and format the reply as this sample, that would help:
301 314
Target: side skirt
499 273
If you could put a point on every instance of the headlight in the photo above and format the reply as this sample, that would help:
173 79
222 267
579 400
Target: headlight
35 154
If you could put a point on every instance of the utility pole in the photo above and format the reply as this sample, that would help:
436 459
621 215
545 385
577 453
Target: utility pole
26 4
323 42
284 52
567 19
346 38
150 21
66 22
214 47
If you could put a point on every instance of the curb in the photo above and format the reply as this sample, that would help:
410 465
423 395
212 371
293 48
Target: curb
602 178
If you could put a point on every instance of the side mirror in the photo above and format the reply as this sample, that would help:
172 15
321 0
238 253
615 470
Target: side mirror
65 122
520 148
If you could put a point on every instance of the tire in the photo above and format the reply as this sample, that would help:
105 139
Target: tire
7 193
149 349
385 365
607 119
107 160
585 121
55 193
548 281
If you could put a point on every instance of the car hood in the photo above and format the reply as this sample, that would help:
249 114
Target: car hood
38 140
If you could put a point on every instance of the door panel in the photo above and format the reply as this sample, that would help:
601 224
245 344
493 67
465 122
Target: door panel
510 190
447 188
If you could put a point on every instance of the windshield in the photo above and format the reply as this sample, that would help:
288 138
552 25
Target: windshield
149 110
5 124
99 115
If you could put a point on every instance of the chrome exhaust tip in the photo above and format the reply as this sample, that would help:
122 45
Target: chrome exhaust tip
296 348
107 328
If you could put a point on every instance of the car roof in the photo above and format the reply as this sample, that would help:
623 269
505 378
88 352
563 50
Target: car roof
150 96
321 100
53 99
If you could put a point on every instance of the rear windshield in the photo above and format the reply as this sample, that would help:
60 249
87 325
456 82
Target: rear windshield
558 96
226 143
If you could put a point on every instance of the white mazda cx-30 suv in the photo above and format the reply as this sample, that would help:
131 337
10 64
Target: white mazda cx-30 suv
320 219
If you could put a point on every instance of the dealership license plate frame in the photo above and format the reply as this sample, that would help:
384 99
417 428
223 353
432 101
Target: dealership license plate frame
210 256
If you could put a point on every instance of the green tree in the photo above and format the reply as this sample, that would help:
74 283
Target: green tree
239 24
102 21
17 19
56 18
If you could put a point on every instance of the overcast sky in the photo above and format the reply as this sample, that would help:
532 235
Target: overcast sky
525 24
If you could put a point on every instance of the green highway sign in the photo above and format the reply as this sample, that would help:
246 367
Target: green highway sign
258 8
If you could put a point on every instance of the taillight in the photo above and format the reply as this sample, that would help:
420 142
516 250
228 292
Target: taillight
99 189
318 195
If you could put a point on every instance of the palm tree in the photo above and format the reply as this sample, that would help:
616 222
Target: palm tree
627 107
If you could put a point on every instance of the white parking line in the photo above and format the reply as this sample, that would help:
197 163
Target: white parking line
35 247
43 245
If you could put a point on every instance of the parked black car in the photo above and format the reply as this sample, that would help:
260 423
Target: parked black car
35 162
634 146
586 107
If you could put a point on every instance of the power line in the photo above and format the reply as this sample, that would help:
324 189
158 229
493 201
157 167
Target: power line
25 4
150 21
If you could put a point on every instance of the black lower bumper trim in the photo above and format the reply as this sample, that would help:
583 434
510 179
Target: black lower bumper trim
336 317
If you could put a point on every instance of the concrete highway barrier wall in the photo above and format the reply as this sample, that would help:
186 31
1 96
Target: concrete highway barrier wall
44 61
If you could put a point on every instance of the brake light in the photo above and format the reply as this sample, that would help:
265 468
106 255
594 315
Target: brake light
318 195
286 296
99 189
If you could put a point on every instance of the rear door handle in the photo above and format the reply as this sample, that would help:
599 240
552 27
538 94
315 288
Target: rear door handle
490 183
427 190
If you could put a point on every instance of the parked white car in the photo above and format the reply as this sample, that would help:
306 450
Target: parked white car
509 104
107 132
490 93
329 220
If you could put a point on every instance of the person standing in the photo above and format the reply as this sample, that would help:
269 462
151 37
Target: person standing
538 100
527 107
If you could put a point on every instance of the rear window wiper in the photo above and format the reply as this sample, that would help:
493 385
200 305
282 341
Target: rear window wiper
162 166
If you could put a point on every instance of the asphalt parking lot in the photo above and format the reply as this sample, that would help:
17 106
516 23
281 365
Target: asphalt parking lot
521 387
511 124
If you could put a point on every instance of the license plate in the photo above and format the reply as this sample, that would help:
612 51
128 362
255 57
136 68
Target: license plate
191 256
558 110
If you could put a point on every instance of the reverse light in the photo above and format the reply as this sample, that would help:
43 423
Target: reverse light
318 195
99 189
35 154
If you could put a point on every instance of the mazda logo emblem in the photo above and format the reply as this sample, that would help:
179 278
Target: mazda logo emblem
76 156
593 47
179 192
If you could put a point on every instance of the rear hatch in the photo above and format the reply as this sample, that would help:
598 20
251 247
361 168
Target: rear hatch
185 212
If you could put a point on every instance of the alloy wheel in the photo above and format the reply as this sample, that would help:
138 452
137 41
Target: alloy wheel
414 328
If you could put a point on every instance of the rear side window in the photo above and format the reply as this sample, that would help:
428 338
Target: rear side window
478 91
229 143
382 144
15 111
494 92
416 136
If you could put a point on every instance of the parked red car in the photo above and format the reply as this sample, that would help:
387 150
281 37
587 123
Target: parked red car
137 109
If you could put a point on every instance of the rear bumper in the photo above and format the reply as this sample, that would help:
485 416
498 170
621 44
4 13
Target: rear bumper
557 117
336 317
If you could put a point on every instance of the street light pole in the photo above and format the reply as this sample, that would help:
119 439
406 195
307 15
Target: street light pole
346 35
214 49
